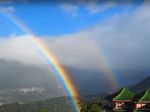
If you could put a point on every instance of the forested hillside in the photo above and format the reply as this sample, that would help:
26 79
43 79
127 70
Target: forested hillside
60 104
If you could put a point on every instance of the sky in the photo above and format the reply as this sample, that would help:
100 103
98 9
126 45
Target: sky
60 18
86 35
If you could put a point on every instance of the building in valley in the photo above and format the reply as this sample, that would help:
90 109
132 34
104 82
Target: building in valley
142 101
121 100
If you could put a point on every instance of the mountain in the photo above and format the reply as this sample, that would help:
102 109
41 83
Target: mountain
17 75
24 83
142 85
94 82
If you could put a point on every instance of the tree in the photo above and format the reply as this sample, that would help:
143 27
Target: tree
94 108
43 110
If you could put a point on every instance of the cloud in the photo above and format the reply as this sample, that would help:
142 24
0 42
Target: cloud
70 9
19 48
122 42
68 49
8 9
93 7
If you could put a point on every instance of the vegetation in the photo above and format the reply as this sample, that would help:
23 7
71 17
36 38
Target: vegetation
64 104
60 104
92 106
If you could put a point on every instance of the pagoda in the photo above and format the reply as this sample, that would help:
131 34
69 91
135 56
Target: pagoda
142 101
121 100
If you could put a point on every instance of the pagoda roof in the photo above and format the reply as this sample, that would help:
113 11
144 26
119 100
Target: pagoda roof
123 94
143 97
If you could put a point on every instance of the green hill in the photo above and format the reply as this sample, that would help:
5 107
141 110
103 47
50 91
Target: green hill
59 104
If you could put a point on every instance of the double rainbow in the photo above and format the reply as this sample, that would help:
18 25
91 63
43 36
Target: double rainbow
60 72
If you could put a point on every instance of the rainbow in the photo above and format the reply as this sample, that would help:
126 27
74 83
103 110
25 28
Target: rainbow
60 72
104 67
51 58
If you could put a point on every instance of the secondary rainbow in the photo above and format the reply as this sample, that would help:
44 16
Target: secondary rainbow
106 69
103 65
51 58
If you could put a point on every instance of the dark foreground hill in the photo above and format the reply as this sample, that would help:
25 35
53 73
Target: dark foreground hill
59 104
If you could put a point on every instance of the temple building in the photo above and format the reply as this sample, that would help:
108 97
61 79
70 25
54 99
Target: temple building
142 101
121 100
126 101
